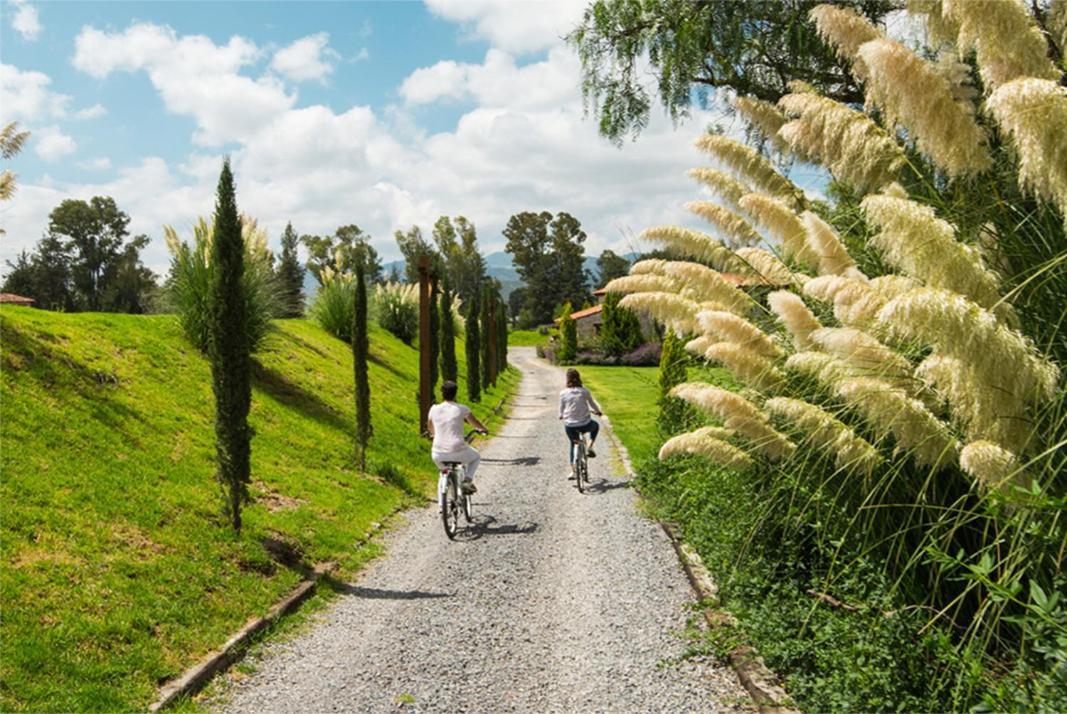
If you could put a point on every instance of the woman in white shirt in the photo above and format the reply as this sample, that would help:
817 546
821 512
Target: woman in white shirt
445 422
576 406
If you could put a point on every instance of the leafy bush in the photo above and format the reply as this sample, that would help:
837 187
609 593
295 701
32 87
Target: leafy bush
647 355
620 330
188 287
568 330
334 303
396 308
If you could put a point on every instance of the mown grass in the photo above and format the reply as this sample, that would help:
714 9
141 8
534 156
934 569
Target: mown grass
526 338
628 396
117 570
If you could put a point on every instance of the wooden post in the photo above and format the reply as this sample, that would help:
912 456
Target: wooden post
493 338
424 341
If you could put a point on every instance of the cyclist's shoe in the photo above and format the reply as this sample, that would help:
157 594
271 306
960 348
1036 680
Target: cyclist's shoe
570 474
590 453
469 487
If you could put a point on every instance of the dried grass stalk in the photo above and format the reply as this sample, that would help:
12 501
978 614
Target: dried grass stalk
737 414
845 29
728 327
827 370
910 93
698 282
826 244
795 315
993 467
851 452
765 117
780 222
748 164
693 244
766 267
750 367
643 284
733 227
864 352
722 184
672 310
703 443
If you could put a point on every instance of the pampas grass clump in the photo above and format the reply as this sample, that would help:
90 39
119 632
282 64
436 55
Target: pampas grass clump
795 315
709 442
735 229
731 328
824 431
775 217
738 414
694 244
749 165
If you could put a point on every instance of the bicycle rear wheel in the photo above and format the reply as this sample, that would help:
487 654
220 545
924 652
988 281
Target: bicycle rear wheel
468 507
450 507
581 476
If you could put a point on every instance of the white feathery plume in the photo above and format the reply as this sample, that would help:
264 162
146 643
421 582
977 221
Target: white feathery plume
958 76
672 310
795 315
911 93
704 444
863 352
846 30
847 142
728 327
825 243
764 116
827 370
918 243
736 230
765 266
891 410
721 184
825 287
698 282
699 345
752 167
693 244
939 28
747 365
737 414
1007 43
980 411
1001 357
1033 112
643 284
990 465
827 432
858 303
781 222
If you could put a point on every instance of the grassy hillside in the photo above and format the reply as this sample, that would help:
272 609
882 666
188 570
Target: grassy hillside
117 569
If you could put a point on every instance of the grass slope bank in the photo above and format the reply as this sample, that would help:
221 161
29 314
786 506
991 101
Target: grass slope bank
117 569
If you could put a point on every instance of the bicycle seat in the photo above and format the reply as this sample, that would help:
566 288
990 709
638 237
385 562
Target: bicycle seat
452 463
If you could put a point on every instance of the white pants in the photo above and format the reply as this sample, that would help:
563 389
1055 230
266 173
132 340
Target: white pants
468 456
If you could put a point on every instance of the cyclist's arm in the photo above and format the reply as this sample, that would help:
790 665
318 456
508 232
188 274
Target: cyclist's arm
473 421
429 427
592 403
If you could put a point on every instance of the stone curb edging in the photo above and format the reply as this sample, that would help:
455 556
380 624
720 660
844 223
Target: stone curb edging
757 679
196 677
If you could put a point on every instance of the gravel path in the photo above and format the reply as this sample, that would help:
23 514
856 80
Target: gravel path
556 601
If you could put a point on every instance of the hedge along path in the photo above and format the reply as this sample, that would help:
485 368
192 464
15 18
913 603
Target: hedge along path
555 601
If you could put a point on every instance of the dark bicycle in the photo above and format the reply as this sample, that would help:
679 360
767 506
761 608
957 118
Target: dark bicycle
450 494
581 464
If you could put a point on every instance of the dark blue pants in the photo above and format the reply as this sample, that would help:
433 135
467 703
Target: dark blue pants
575 432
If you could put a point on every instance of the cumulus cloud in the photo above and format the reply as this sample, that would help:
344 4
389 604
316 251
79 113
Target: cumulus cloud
93 112
513 26
194 76
25 20
27 96
51 144
306 59
101 163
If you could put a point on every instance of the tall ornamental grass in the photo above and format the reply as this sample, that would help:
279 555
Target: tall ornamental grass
902 346
188 287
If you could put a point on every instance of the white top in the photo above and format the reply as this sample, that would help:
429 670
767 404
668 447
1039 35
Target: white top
448 418
575 405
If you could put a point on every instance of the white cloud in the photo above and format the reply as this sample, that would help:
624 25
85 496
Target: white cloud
101 163
363 54
51 144
25 20
26 96
522 26
93 112
306 59
194 76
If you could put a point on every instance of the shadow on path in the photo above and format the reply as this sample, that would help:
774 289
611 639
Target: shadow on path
520 461
380 594
604 485
486 525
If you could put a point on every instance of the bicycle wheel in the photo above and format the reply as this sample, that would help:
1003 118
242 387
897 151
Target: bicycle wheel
450 507
468 507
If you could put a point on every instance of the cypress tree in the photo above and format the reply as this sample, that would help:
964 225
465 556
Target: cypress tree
435 335
229 349
449 371
502 339
484 329
675 415
291 275
474 345
360 350
568 331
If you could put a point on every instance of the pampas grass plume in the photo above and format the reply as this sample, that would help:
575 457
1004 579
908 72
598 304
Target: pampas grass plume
737 414
749 165
736 230
826 432
825 243
728 327
705 442
694 244
775 217
795 315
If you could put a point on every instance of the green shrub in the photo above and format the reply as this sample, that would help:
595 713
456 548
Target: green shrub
188 286
333 305
396 308
568 330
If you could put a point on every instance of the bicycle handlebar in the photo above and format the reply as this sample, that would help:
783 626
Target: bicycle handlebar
473 433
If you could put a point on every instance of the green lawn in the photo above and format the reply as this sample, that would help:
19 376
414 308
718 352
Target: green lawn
526 338
117 570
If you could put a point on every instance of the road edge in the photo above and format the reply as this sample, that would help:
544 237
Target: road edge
761 683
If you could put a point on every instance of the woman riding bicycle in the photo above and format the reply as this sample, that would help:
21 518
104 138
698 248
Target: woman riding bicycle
575 406
445 422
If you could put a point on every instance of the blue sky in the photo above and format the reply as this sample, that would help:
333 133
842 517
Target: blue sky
383 114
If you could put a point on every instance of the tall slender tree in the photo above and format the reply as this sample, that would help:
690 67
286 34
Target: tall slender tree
360 350
502 336
449 370
486 333
474 345
291 275
229 349
435 334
